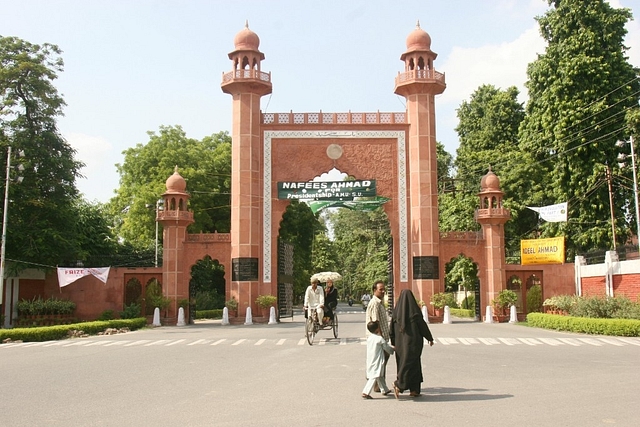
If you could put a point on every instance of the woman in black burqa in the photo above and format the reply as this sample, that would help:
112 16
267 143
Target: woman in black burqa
408 329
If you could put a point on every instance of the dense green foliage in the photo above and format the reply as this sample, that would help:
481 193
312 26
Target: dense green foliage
613 327
619 307
205 165
299 227
50 225
58 332
207 284
38 306
461 273
579 92
361 242
534 299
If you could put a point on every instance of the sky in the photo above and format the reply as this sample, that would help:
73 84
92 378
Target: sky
134 66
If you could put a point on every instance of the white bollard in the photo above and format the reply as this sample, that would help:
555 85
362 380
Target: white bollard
425 314
513 318
180 317
156 317
225 316
272 316
447 315
488 316
248 320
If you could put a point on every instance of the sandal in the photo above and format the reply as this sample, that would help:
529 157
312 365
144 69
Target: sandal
396 391
386 393
414 394
366 396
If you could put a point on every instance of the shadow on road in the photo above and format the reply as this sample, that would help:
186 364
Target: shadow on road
446 394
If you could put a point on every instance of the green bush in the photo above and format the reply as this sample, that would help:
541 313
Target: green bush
209 300
38 307
266 301
605 308
461 312
441 299
614 327
534 299
469 303
51 333
131 311
106 315
209 314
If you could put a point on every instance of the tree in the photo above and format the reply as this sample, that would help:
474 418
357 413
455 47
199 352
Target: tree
205 165
579 90
361 241
298 227
43 211
445 168
488 132
461 272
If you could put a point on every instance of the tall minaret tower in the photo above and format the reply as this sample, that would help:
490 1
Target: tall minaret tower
419 84
175 217
492 216
246 83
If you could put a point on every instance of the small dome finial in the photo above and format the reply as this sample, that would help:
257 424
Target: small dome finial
418 24
175 170
246 24
490 168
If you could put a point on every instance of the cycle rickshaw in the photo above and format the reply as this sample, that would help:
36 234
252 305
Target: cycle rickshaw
312 325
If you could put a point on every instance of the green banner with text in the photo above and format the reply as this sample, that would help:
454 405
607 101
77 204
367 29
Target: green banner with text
326 190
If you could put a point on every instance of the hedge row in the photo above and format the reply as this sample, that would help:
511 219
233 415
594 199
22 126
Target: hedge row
50 333
209 314
584 325
462 312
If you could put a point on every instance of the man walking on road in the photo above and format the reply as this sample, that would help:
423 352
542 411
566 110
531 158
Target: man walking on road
377 312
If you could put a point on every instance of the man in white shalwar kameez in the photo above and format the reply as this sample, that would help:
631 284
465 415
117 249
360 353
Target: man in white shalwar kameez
314 299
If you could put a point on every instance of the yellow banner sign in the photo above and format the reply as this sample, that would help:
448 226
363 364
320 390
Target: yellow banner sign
542 251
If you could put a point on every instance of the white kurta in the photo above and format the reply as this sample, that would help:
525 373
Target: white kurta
376 346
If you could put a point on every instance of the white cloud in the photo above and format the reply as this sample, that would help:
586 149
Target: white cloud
501 65
96 153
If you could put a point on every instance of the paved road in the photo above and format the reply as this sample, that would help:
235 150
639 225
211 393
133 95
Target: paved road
213 375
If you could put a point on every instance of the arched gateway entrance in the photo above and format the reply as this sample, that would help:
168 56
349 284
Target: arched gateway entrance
396 150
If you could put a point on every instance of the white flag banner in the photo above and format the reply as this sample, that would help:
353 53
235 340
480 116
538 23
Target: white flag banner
552 213
70 275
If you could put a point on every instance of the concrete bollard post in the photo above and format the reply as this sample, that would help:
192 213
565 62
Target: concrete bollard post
425 314
488 316
225 316
513 315
272 316
447 315
156 317
180 317
248 320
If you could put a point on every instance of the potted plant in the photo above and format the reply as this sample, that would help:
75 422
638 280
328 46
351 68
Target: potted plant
503 302
232 306
440 300
265 302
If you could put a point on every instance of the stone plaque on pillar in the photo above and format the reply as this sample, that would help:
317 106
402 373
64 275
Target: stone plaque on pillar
244 269
425 267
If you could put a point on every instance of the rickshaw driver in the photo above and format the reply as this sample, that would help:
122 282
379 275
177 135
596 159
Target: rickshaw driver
314 298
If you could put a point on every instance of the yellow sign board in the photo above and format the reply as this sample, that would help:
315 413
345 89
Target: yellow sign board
542 251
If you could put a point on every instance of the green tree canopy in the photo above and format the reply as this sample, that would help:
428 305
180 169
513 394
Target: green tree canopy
579 91
43 212
205 165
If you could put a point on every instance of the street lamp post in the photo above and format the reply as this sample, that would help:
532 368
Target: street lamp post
635 181
4 215
159 205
